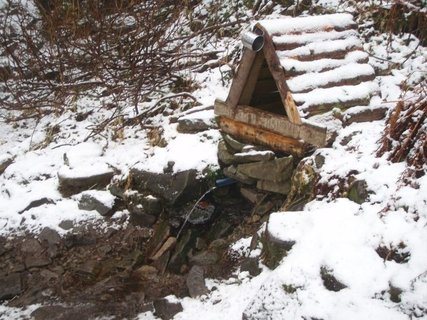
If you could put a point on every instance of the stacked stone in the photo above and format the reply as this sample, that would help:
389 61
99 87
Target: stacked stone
255 167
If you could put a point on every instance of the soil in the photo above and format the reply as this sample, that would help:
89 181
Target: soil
99 272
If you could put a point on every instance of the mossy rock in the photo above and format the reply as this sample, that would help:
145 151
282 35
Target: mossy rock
302 186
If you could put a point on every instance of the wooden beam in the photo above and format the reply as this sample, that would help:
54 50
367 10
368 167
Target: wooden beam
279 75
252 79
253 135
309 133
241 77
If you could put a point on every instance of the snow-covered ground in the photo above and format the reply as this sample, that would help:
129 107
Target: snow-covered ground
333 233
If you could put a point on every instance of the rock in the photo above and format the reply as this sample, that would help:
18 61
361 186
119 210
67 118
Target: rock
201 213
204 258
251 265
73 182
58 312
319 160
66 224
196 282
50 236
395 294
302 186
235 145
264 207
358 191
232 172
38 261
100 201
142 219
31 246
78 240
274 186
280 169
224 154
219 229
166 310
89 268
174 188
152 205
146 272
218 244
253 156
10 286
329 281
37 203
169 167
274 250
52 239
192 125
200 244
252 195
5 161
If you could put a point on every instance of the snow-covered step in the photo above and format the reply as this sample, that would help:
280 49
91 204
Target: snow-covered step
291 25
321 100
291 41
350 74
294 67
318 50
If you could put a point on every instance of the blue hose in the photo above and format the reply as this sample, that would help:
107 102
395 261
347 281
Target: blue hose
225 182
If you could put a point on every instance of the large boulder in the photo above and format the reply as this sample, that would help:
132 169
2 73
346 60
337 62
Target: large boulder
76 180
173 187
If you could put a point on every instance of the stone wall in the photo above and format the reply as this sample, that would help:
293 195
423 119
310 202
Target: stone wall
256 168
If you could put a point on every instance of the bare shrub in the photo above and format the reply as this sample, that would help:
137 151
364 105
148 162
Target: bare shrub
127 50
405 137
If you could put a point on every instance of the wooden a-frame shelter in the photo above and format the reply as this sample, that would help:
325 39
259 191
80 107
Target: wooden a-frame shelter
307 66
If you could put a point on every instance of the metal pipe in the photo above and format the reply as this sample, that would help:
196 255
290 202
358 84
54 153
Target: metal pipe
253 41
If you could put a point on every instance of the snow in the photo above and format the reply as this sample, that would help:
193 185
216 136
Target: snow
307 24
331 231
322 64
313 37
322 47
313 80
321 96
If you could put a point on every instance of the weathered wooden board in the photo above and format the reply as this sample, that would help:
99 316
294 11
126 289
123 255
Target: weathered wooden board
309 133
241 77
251 80
254 135
279 76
